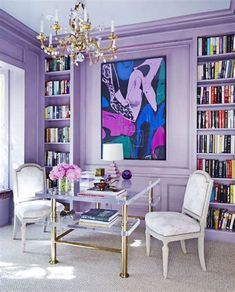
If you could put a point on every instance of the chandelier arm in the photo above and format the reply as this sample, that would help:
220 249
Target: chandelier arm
78 42
112 46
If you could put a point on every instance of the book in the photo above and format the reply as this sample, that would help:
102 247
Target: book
97 223
100 215
96 192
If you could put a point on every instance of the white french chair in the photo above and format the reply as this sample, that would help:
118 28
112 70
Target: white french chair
174 226
28 179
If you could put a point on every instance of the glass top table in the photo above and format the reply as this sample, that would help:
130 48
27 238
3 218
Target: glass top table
133 189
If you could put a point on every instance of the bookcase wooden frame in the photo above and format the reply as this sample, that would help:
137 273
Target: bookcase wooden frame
201 59
57 100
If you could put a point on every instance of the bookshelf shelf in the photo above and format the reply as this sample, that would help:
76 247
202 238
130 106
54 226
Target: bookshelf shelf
216 106
215 127
216 57
222 205
220 179
58 120
56 143
219 81
58 73
57 95
220 235
215 154
222 232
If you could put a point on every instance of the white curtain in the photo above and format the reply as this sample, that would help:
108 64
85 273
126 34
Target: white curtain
4 131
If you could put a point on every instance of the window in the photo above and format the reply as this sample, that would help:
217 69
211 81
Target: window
4 130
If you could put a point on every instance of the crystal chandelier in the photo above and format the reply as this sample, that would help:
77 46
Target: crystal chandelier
78 42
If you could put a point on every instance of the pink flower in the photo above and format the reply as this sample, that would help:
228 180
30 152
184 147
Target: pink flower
71 171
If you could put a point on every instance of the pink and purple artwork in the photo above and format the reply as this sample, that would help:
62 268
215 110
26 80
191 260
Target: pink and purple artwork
133 103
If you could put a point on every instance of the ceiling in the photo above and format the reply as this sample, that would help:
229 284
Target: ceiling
101 12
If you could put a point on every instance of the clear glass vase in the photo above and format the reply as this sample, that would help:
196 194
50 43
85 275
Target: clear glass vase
64 185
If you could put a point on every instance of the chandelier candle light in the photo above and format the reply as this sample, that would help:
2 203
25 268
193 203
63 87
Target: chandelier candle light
78 42
66 174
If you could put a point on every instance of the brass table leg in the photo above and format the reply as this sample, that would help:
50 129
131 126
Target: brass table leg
97 205
150 198
53 259
124 251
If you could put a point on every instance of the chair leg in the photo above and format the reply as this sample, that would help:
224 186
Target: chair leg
165 252
183 246
15 226
45 225
23 235
201 252
148 239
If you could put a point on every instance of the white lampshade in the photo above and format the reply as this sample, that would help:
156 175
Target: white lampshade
112 152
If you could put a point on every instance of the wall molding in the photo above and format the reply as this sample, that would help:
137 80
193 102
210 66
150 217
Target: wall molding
20 31
176 23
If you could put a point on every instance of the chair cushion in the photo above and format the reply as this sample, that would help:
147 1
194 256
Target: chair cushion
171 223
36 208
33 209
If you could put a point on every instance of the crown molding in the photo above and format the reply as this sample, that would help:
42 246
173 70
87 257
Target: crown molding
226 16
10 24
197 20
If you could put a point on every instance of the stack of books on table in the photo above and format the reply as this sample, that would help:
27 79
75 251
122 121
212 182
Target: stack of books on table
95 192
99 217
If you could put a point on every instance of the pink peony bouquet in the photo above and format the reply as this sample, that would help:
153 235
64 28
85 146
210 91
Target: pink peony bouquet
63 170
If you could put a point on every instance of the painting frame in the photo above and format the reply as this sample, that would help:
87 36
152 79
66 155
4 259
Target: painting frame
133 106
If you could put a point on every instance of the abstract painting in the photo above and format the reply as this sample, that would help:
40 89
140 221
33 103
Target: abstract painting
133 105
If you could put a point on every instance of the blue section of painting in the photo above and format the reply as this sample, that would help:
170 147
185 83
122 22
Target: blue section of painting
153 120
124 69
104 102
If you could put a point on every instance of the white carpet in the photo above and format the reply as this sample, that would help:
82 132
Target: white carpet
89 270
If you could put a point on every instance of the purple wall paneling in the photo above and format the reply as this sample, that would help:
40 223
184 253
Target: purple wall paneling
177 39
174 38
19 47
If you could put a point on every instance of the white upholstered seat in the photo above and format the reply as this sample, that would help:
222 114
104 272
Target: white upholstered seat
32 209
28 179
171 223
174 226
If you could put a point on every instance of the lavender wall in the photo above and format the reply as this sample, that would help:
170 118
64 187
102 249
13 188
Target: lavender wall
19 47
177 40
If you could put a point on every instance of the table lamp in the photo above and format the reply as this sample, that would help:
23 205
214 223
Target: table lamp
113 152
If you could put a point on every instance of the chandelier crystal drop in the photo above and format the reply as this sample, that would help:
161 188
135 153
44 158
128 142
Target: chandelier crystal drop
78 43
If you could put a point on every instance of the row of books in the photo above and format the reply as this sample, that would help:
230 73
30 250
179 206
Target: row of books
208 46
216 94
222 193
53 158
57 112
57 135
220 219
57 64
218 119
57 87
216 144
216 70
99 217
217 168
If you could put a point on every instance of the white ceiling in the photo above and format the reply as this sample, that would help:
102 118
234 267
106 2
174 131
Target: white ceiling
101 12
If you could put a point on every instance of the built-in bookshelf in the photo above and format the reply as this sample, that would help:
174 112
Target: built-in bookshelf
57 112
216 129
